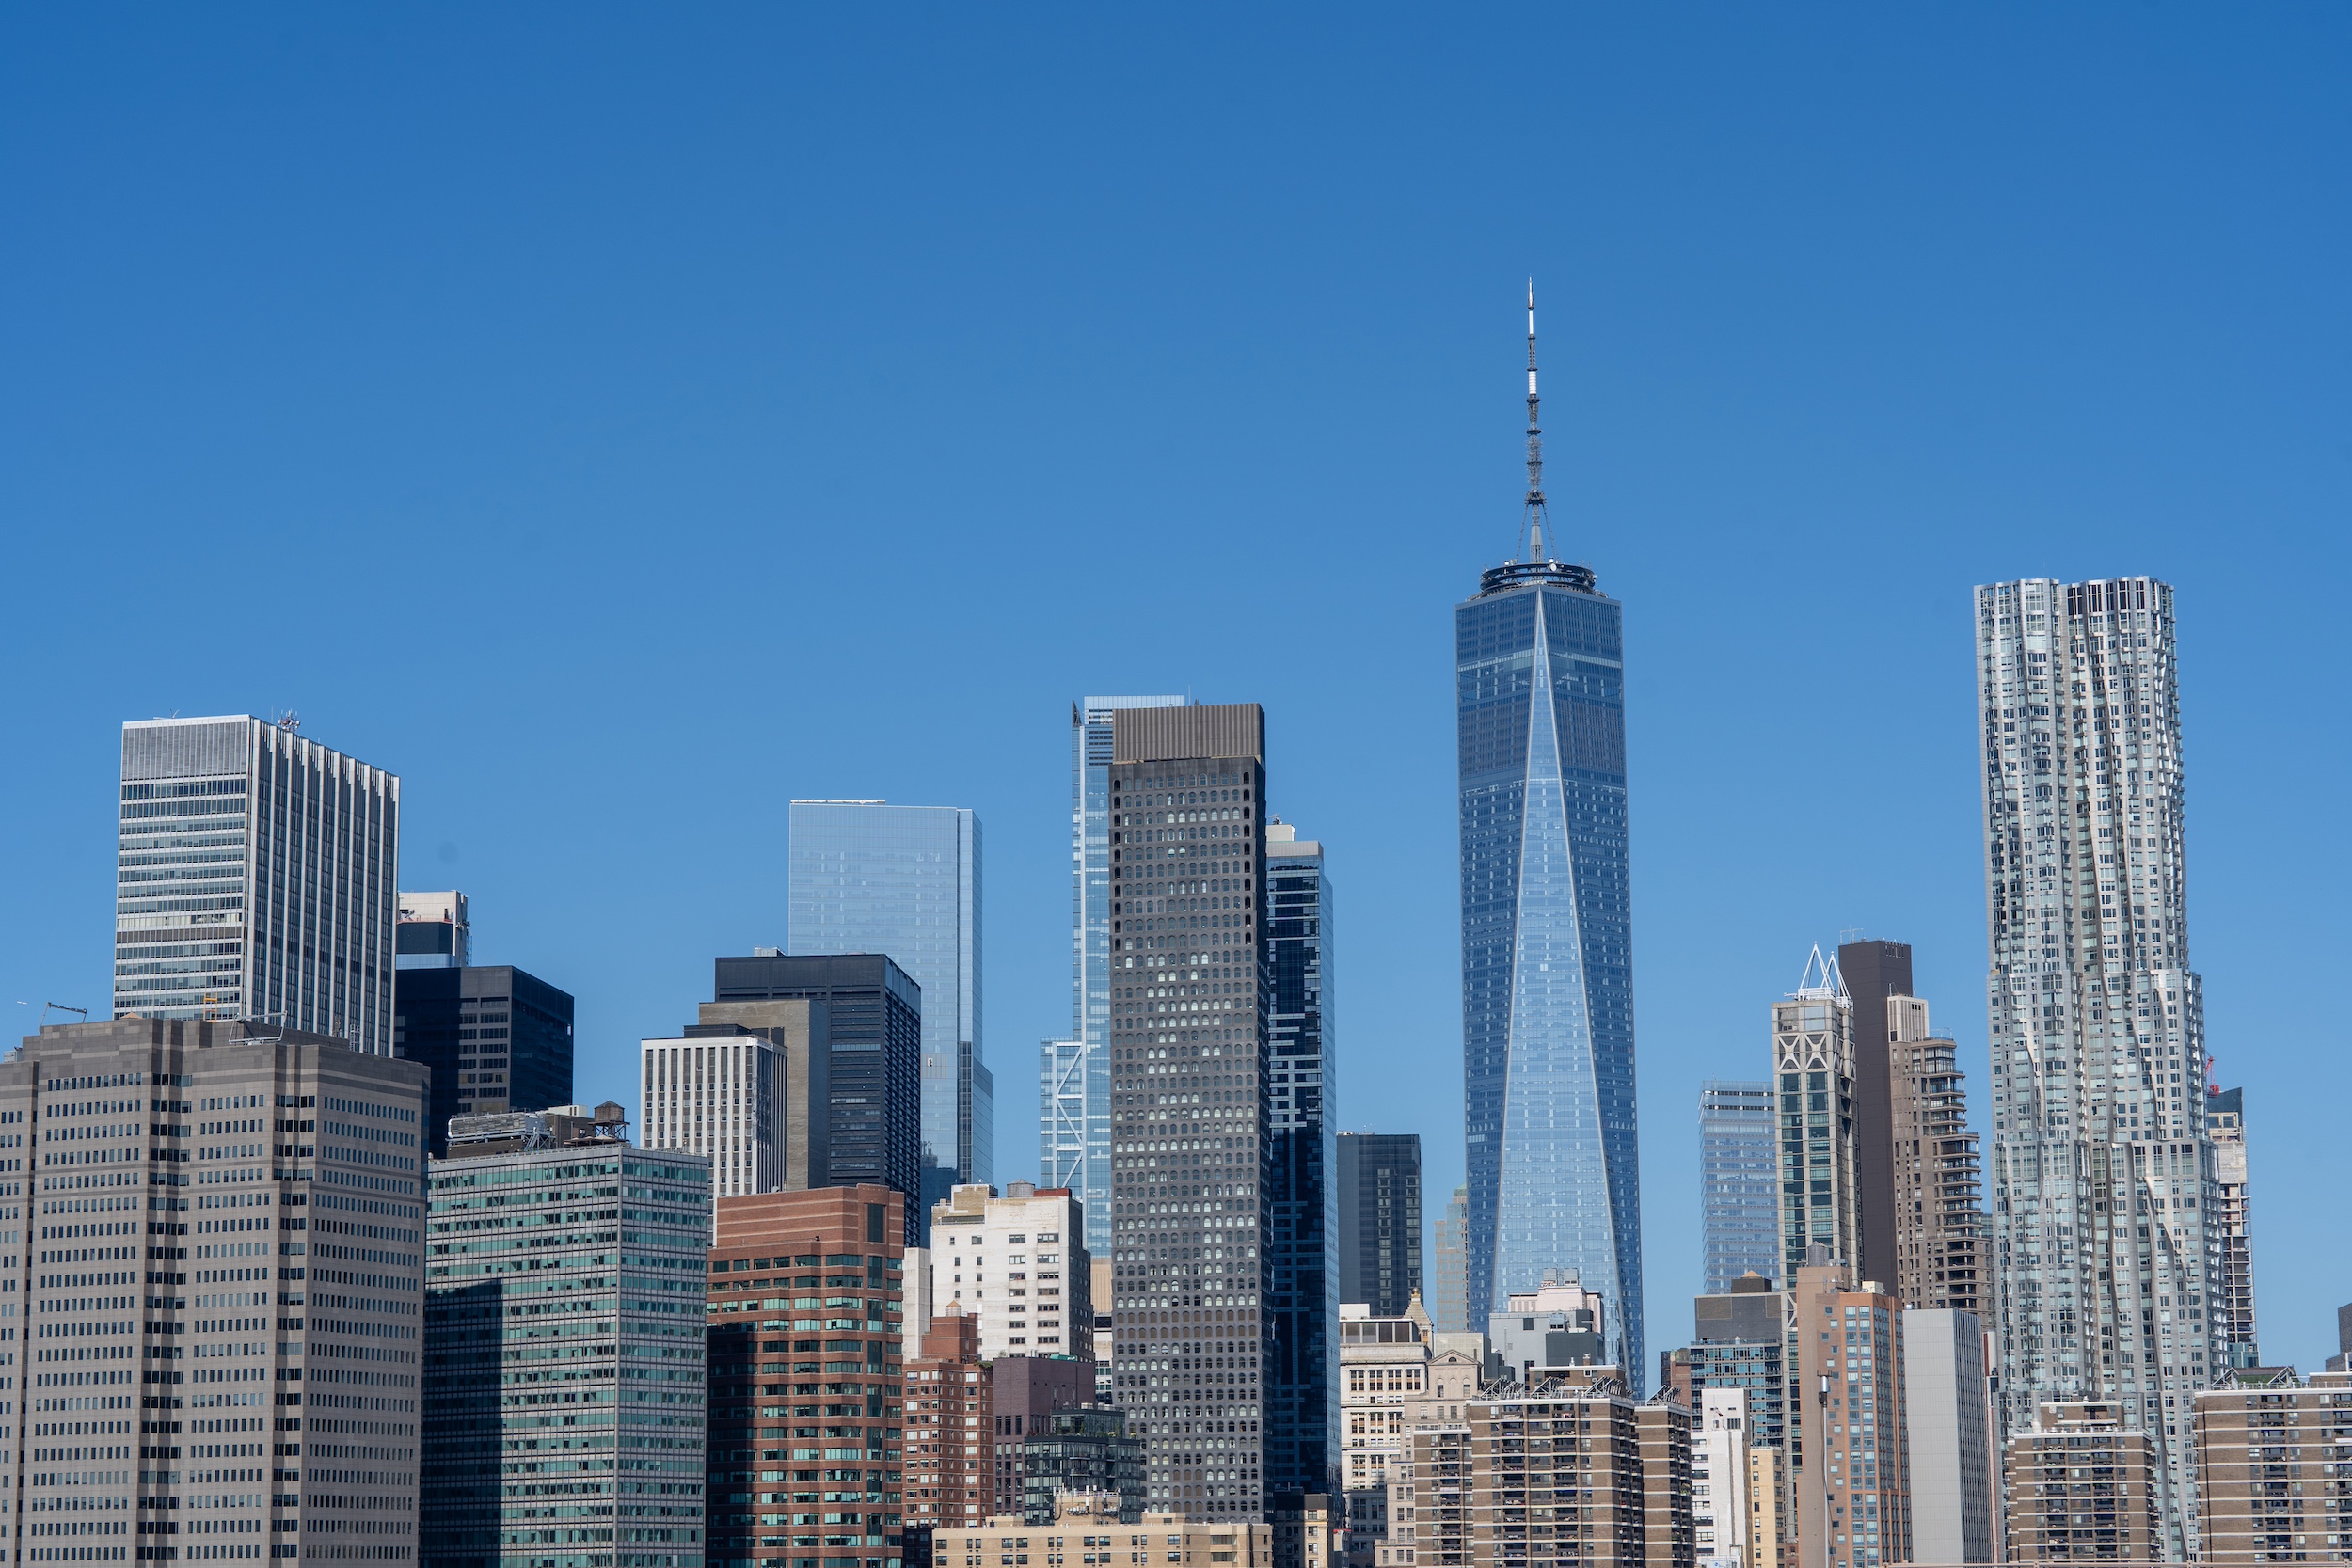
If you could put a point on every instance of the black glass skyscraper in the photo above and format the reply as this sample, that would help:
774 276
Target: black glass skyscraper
1303 1399
1547 931
497 1038
1379 1203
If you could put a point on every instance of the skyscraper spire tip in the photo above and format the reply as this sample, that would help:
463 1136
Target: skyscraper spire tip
1536 513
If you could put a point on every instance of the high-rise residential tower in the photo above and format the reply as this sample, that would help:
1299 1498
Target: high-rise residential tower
1191 1117
1302 1072
873 1032
1937 1179
868 877
1075 1075
1379 1202
1738 1183
1547 928
2231 1230
1812 1061
2097 1022
257 878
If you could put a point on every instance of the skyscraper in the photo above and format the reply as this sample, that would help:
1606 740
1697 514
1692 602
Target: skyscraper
874 1034
1547 928
2097 1021
1738 1183
433 931
868 877
1191 1121
257 878
1302 1074
1813 1060
496 1037
1448 1309
1874 971
1379 1202
2232 1229
1073 1074
1938 1177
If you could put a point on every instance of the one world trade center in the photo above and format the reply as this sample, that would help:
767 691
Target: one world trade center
1547 930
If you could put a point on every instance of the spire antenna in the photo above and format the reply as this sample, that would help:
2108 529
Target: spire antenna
1536 513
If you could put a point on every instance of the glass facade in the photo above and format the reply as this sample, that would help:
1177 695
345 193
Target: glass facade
1074 1074
1379 1201
1547 944
496 1037
1303 1094
565 1426
1450 1310
868 877
1739 1189
255 877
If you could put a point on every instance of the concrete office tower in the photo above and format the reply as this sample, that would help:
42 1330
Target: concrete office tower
874 1033
1074 1088
433 932
1879 971
1017 1263
1739 1182
1547 928
496 1038
2231 1227
950 1443
1850 1481
257 878
1384 1376
1814 1061
719 1091
2097 1021
1379 1202
1450 1307
1192 1159
1720 1476
2083 1485
845 1246
262 1188
1938 1186
2254 1426
868 877
1741 1343
1629 1468
1303 1072
1948 1415
519 1274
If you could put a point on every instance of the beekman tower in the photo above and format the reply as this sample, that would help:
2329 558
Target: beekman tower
1547 930
2104 1175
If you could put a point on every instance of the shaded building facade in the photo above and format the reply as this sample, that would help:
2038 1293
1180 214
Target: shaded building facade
1379 1232
496 1038
1303 1093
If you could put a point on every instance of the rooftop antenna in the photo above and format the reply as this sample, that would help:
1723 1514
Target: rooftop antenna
1536 513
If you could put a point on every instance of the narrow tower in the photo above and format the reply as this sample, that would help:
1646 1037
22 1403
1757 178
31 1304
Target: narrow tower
1547 930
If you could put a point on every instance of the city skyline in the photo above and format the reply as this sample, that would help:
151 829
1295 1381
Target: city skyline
503 470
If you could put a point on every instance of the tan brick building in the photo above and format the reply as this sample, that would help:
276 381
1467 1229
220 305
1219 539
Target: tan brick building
1940 1258
1569 1471
1087 1531
2274 1467
2082 1487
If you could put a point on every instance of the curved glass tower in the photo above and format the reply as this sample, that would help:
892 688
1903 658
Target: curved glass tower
1547 933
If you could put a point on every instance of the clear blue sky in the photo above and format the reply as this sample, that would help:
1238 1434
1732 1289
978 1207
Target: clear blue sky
619 422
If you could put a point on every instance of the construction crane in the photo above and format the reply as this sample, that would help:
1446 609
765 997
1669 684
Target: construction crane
47 1007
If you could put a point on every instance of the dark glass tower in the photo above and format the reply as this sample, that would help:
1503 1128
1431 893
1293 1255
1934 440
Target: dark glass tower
1547 931
874 1123
1303 1093
496 1037
1379 1190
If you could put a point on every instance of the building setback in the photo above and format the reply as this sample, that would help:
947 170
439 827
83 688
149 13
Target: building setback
222 1231
874 1030
1548 1062
868 876
496 1038
563 1365
2096 1018
1074 1078
2082 1486
2259 1433
1379 1203
1738 1183
255 878
823 1474
1940 1241
1191 1118
1302 1096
